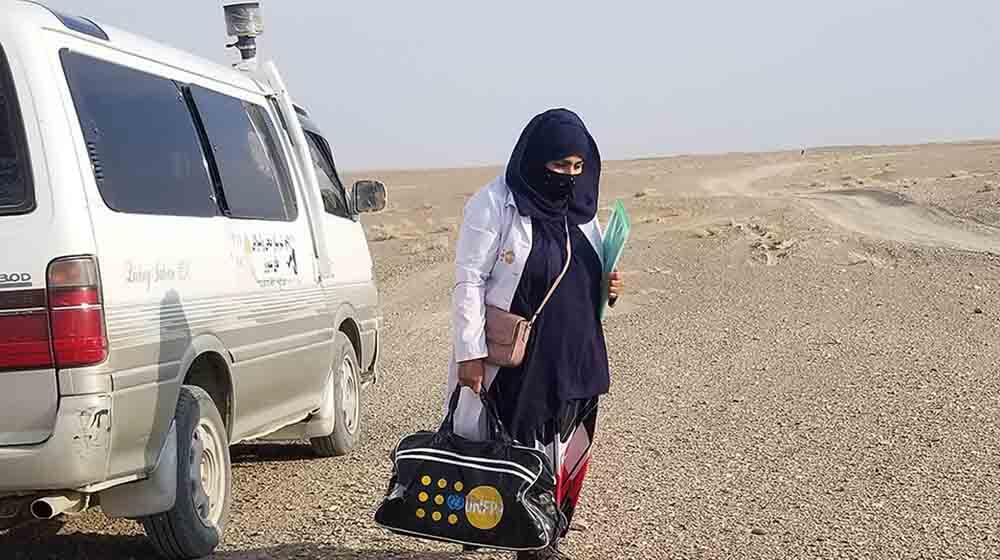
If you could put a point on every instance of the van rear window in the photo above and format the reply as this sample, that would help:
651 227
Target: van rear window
16 190
144 148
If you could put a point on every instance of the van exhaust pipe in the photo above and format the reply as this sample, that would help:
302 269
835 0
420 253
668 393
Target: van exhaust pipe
53 506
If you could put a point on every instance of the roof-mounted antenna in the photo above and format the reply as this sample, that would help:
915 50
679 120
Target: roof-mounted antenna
245 22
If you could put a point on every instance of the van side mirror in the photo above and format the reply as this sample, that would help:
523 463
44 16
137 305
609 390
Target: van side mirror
369 196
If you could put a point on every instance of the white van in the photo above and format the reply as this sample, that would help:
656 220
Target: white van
182 270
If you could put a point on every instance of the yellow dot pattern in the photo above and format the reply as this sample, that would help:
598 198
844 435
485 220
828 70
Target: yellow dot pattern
489 503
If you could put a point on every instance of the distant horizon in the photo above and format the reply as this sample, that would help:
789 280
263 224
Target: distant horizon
961 142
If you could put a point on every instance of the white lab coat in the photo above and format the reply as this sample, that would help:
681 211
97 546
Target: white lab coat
493 246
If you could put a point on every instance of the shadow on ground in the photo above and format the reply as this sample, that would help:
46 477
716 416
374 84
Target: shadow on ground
250 453
42 541
322 552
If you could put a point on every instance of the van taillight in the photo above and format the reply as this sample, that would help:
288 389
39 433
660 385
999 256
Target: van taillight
60 327
76 313
24 331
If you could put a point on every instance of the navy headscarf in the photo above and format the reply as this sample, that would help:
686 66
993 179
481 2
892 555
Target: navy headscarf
553 135
567 357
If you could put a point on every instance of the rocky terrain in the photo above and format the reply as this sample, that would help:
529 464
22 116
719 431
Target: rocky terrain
806 365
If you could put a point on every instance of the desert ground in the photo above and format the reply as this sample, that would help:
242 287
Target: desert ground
806 364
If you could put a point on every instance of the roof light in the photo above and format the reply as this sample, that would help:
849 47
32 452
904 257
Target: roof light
245 22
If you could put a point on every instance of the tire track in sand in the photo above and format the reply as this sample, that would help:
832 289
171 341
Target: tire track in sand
874 213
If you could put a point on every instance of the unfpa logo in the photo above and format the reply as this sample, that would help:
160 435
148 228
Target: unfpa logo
484 507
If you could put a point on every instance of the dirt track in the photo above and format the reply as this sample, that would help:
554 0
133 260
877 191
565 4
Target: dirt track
805 366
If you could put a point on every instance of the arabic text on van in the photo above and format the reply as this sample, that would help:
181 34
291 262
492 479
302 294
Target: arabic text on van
271 257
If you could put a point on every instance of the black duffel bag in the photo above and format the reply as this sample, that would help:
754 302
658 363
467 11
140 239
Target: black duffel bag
491 494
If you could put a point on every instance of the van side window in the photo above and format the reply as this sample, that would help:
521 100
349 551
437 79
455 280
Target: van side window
143 146
16 191
330 187
272 141
252 167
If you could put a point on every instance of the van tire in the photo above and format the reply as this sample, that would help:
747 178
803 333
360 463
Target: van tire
347 403
195 525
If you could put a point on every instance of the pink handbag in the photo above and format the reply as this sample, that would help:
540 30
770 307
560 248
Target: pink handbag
507 333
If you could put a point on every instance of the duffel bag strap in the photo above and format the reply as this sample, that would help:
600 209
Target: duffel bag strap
494 425
448 424
495 429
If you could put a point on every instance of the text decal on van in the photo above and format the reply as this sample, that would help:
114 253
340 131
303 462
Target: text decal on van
15 280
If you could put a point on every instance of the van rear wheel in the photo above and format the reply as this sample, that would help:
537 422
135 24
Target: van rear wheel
194 527
344 387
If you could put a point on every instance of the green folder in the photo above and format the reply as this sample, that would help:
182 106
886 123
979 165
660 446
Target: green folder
615 237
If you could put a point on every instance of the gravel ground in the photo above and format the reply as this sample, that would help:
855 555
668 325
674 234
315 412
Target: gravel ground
783 387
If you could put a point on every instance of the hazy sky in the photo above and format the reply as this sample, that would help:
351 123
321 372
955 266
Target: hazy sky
441 83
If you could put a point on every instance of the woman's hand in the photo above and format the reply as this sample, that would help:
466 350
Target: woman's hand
616 285
471 374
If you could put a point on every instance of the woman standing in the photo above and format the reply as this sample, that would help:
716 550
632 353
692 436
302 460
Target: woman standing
512 249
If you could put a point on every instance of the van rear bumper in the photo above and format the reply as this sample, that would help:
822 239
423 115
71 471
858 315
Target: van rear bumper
74 456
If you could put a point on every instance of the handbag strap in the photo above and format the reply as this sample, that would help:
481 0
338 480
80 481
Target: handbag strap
559 279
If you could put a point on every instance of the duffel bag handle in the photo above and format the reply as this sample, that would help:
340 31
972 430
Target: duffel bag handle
494 425
448 424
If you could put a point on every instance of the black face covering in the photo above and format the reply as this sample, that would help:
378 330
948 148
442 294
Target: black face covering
544 194
557 186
